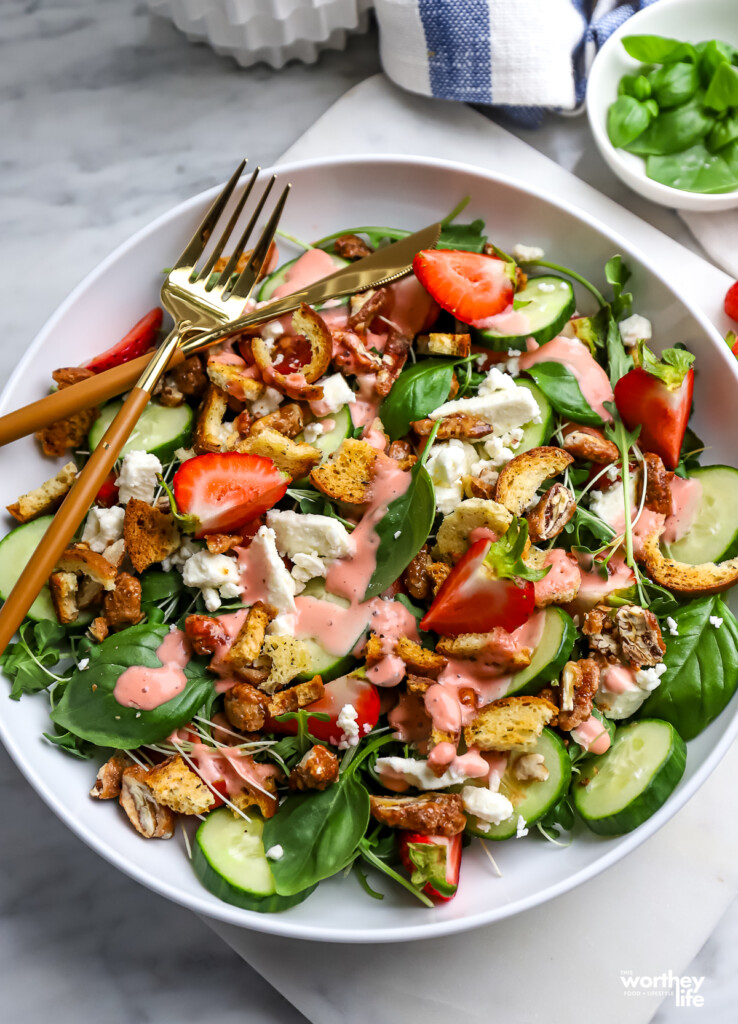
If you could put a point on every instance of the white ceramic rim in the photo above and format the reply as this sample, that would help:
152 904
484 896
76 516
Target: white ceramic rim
276 924
653 190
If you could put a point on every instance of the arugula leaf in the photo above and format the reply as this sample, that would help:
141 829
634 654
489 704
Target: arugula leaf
28 662
72 744
702 668
618 275
561 388
416 393
89 709
618 360
319 833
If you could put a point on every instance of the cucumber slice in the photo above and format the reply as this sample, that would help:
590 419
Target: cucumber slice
160 429
551 653
324 663
530 798
328 443
228 858
629 782
713 536
551 304
16 550
277 279
536 434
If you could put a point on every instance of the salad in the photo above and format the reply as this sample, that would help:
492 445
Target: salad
435 565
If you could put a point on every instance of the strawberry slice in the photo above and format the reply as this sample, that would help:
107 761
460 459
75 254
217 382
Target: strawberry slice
139 339
433 862
489 586
731 302
470 285
344 690
219 492
658 396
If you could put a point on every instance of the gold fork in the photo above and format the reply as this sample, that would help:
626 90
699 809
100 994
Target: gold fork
197 300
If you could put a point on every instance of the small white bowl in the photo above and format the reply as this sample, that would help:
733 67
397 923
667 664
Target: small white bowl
688 20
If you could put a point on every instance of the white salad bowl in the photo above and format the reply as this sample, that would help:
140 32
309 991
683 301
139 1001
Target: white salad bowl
328 195
686 20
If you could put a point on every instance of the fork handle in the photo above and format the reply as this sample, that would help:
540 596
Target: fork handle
84 395
70 515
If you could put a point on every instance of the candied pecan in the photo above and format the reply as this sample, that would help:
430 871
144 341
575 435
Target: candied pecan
122 606
417 578
170 396
351 354
579 682
246 707
393 360
318 769
480 488
98 629
288 420
658 485
549 517
369 308
71 432
402 453
552 695
189 377
219 543
590 445
601 630
109 776
431 814
351 247
454 389
459 424
242 422
206 633
640 635
149 818
254 676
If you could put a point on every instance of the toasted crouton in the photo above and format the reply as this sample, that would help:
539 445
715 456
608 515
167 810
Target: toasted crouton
522 476
419 660
293 457
122 606
149 534
471 514
46 498
431 814
82 561
287 420
210 433
234 381
374 649
98 629
347 474
513 723
487 647
63 588
289 658
175 785
704 578
317 769
560 585
59 437
296 697
445 344
419 684
246 648
150 819
246 707
265 798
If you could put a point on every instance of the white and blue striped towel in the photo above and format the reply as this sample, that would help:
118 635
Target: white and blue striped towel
529 54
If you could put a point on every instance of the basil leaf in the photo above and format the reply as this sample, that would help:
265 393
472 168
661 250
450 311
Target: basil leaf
658 49
722 133
674 83
702 668
723 89
697 169
89 710
627 118
712 54
416 393
561 388
319 833
411 516
674 130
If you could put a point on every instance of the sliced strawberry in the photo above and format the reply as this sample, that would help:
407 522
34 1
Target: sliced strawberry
489 586
220 492
138 340
658 396
470 285
433 862
107 496
342 691
731 302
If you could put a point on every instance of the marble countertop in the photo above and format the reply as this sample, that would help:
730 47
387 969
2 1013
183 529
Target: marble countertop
109 117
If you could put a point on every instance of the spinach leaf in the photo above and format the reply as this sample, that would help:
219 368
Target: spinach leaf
319 833
723 89
658 49
411 517
696 169
89 709
674 83
157 585
674 130
561 388
469 237
627 118
702 668
417 392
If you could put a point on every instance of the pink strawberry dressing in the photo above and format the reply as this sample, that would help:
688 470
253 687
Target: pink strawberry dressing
146 688
593 381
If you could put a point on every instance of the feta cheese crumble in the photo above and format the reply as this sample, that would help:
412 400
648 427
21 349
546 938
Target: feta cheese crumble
520 828
280 586
138 477
486 805
347 723
609 505
336 394
103 526
671 625
649 678
526 253
716 621
312 542
634 329
448 463
269 402
275 852
177 559
499 401
83 664
546 286
216 576
314 430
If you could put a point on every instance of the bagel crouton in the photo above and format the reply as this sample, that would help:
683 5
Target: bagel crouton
149 534
453 534
63 587
234 381
211 434
347 474
72 432
293 457
46 498
522 476
82 561
704 578
458 345
175 785
246 648
419 660
512 723
496 647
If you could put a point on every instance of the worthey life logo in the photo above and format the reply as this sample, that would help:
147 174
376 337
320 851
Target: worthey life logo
685 988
